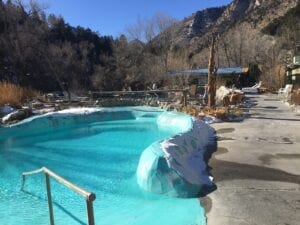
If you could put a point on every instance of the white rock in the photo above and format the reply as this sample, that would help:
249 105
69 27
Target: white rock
6 110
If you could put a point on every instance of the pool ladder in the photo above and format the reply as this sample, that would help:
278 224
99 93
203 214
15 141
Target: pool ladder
89 196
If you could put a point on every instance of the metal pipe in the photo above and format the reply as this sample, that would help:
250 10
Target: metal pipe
89 196
90 212
84 193
51 215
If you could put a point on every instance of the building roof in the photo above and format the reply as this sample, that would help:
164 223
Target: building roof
220 71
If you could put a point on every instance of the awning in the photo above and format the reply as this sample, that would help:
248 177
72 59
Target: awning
220 71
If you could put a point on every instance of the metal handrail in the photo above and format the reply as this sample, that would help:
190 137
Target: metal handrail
89 196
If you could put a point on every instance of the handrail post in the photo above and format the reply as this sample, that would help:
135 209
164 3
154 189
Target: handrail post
49 199
23 181
90 212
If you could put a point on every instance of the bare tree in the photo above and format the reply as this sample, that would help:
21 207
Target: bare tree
146 29
163 21
224 44
136 31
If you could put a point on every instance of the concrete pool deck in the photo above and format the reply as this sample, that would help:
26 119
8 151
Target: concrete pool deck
257 167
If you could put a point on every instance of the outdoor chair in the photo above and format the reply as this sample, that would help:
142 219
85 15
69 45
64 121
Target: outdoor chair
285 93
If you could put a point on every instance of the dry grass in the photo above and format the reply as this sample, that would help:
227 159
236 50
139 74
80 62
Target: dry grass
220 112
296 97
14 94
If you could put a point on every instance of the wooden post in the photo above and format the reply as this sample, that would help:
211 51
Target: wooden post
49 199
91 98
212 76
184 98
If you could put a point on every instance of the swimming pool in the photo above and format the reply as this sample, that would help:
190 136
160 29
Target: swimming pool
98 150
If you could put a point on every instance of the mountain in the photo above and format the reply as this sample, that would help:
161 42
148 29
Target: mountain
45 53
247 30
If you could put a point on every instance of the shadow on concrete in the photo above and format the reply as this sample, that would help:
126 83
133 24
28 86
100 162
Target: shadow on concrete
206 202
269 107
267 158
225 130
272 99
226 170
273 118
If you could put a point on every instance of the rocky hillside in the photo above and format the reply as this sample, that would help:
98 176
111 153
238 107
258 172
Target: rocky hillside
243 24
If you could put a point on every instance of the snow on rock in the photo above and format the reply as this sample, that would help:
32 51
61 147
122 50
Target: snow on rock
78 111
211 119
6 110
221 93
178 166
43 111
16 115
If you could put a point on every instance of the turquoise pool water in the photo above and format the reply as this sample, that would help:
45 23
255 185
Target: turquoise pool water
101 157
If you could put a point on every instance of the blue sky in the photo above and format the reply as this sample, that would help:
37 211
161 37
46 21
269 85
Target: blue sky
111 17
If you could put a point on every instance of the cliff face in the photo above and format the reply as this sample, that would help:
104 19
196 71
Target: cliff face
204 19
256 20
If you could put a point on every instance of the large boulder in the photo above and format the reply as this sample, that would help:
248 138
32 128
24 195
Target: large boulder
17 116
178 166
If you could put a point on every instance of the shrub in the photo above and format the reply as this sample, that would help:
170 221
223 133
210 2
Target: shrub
14 94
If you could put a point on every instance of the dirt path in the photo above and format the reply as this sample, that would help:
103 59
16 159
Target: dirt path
257 168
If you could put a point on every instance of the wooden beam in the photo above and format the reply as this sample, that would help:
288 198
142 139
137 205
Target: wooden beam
211 86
